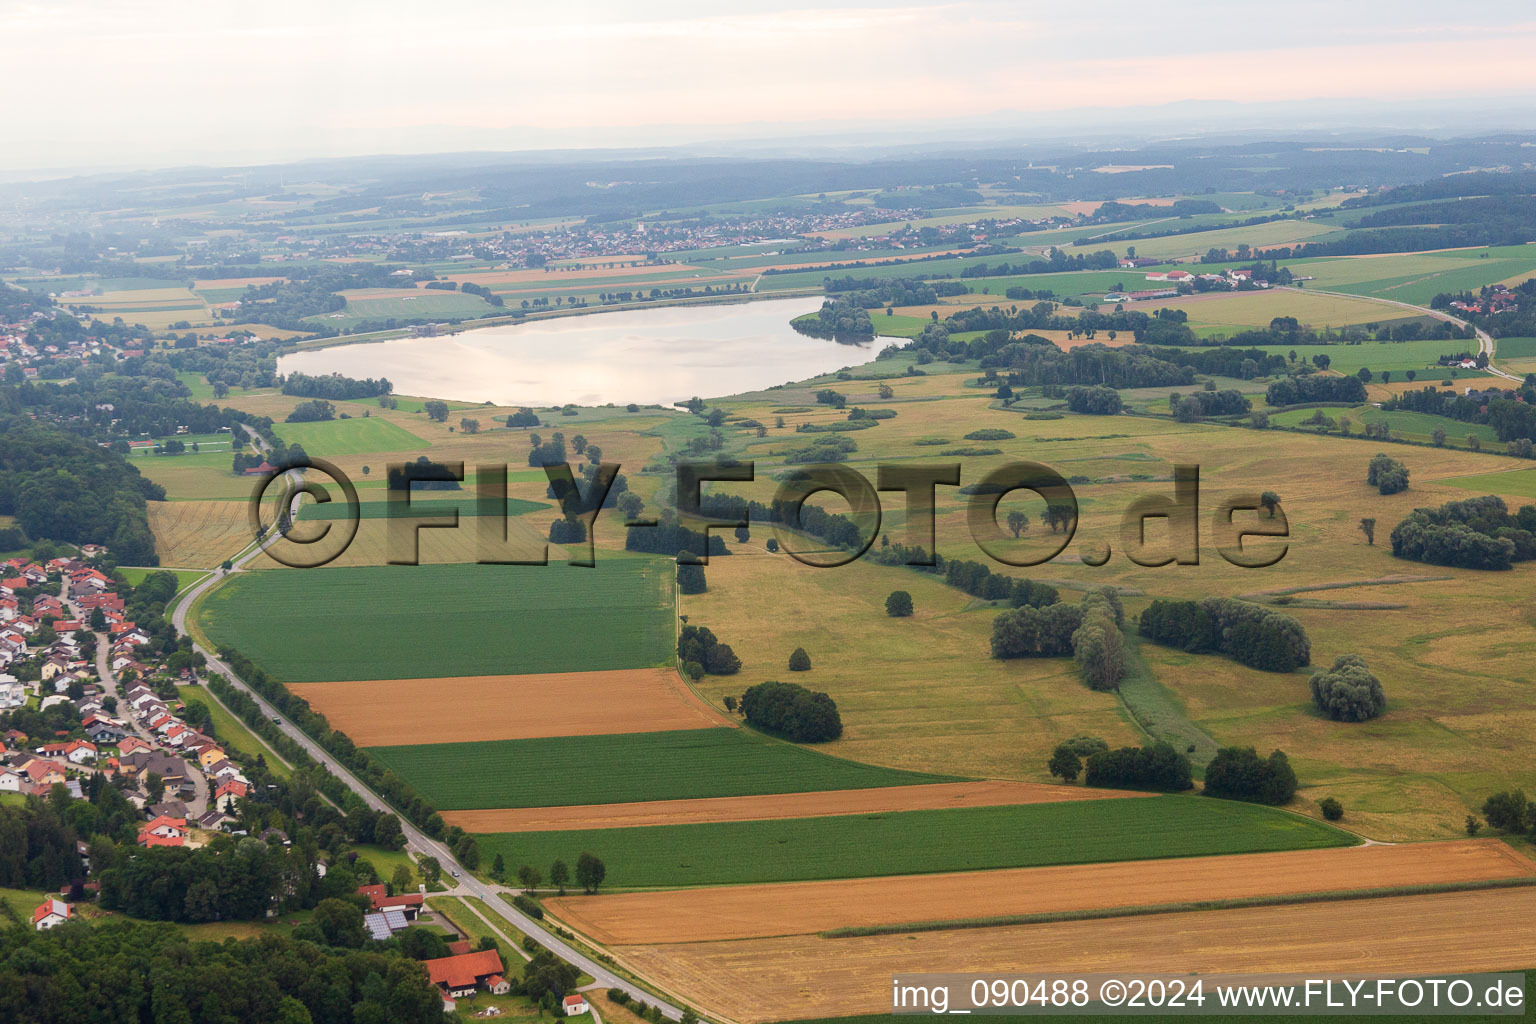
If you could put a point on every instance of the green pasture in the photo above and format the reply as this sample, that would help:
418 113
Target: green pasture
675 765
920 842
422 621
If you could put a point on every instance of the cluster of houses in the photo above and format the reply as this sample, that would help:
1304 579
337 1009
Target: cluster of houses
458 975
133 734
15 350
1497 300
1174 278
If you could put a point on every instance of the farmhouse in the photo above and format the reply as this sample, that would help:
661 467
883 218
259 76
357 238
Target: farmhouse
50 914
462 975
408 903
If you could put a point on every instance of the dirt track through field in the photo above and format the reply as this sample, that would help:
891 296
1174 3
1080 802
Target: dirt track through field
752 911
800 977
387 712
781 805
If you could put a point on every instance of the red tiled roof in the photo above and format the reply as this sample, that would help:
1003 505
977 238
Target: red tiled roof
465 970
51 907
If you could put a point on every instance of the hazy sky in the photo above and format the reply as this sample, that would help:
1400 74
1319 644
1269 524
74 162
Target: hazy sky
166 81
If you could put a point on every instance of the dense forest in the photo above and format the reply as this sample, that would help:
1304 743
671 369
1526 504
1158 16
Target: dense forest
63 487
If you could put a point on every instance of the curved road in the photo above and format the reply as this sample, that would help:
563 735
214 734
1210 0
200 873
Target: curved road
1484 341
466 884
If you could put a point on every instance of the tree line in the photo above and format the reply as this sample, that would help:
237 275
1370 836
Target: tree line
1248 633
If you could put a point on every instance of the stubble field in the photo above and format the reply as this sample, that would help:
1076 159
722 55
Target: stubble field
800 977
761 911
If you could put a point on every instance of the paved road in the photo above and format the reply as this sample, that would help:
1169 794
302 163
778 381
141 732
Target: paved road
416 840
1485 342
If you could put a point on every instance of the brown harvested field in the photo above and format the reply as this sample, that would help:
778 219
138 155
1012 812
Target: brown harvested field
884 800
199 534
800 977
389 712
797 908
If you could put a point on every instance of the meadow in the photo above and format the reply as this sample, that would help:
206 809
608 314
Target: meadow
917 842
1519 483
426 621
673 765
1516 348
355 436
1392 356
1404 423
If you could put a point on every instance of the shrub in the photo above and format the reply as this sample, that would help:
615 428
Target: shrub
899 604
1386 474
1085 746
528 906
799 661
1508 811
1237 773
1348 692
990 434
698 649
1248 633
1094 401
1476 533
1158 767
1098 646
1029 632
690 575
1331 808
792 711
1065 764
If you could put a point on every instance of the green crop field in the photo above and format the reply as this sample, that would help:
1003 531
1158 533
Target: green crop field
1516 348
369 303
354 436
1414 426
1279 232
677 765
915 842
422 621
1521 482
1414 277
1392 356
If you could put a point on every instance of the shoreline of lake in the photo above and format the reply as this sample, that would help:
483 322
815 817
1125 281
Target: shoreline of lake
658 355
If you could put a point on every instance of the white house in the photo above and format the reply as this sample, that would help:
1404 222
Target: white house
12 693
51 914
574 1004
10 781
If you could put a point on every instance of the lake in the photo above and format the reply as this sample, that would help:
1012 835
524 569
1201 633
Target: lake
646 356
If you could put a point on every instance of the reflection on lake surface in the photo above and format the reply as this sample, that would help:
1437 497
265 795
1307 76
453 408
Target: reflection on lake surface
647 356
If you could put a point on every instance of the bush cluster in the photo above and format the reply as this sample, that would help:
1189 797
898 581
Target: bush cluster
1348 692
792 711
1238 773
1158 767
1386 474
1248 633
1478 533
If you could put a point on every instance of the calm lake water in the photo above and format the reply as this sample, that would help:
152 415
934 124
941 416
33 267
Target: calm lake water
647 356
